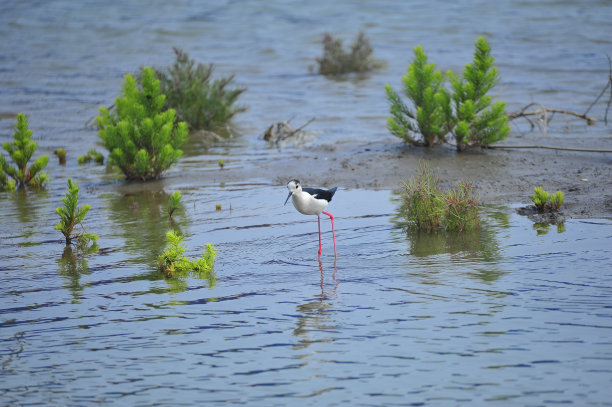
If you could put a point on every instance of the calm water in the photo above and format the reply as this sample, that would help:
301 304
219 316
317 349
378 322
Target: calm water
513 314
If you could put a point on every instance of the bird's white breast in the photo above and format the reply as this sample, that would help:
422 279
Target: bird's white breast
306 204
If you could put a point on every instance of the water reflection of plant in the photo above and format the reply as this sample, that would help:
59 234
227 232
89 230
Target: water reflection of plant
142 217
71 265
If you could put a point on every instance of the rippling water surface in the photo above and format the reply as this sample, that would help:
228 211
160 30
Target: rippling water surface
511 314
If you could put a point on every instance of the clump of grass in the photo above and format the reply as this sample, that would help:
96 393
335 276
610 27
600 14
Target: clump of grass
337 61
200 101
71 215
544 201
21 150
92 155
174 263
61 155
174 202
427 208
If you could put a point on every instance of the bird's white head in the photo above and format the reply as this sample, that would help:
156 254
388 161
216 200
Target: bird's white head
293 186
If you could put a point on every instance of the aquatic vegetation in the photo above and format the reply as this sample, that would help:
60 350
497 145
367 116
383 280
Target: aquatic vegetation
21 150
174 263
203 103
174 202
540 198
92 155
143 139
6 184
477 121
556 200
425 207
544 201
61 155
71 215
466 113
221 163
337 61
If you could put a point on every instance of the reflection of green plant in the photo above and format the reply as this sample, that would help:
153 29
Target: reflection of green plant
337 61
71 265
71 216
174 202
143 140
174 263
21 150
427 208
198 100
92 154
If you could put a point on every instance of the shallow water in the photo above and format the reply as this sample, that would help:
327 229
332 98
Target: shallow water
510 313
513 313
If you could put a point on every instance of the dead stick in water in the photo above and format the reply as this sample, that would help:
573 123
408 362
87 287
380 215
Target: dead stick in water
543 110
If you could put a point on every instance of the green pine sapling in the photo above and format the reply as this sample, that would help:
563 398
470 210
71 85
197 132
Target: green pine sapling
174 202
142 138
71 216
430 116
477 122
174 263
6 184
92 154
21 150
556 200
540 198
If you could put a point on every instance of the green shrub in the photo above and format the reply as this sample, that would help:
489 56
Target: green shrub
426 208
471 118
71 216
174 263
174 202
6 184
544 201
203 103
61 155
477 122
21 150
92 155
337 61
431 118
540 198
556 200
142 138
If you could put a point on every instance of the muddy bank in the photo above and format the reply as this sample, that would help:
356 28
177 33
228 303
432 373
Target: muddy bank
504 177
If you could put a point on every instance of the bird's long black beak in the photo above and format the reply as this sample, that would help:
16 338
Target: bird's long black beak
288 196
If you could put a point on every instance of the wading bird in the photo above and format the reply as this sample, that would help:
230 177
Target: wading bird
312 201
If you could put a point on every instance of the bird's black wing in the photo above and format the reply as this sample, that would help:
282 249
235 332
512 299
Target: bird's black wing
326 194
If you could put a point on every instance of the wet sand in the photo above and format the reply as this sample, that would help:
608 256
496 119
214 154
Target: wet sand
501 176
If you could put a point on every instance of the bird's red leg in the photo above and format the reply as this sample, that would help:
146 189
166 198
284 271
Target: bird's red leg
320 250
333 232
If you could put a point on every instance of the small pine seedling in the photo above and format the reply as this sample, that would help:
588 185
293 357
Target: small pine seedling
6 184
174 263
20 151
92 154
556 200
174 202
61 155
71 216
540 198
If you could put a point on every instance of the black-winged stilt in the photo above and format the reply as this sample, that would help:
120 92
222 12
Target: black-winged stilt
312 201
